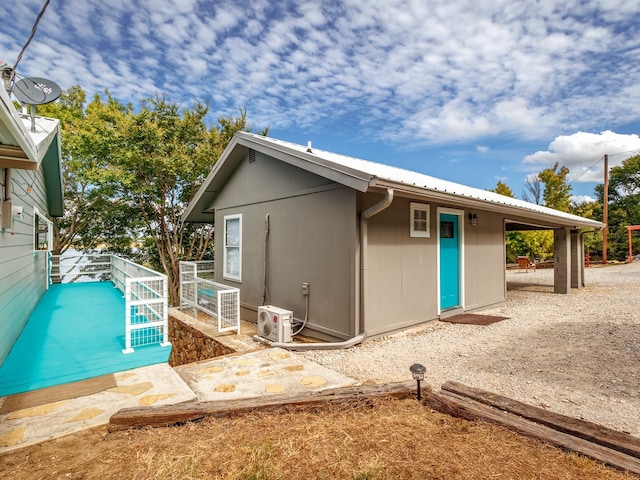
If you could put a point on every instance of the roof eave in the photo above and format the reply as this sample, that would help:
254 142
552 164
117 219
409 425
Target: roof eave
321 163
349 177
22 147
452 198
15 135
200 208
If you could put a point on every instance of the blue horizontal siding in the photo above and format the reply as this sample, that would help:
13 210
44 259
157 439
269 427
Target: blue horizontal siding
22 271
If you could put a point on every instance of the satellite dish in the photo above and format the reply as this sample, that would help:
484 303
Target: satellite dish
36 91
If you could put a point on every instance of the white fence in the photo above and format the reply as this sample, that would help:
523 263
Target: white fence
76 268
199 292
144 290
146 314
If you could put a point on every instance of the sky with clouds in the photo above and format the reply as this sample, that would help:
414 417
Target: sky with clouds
468 91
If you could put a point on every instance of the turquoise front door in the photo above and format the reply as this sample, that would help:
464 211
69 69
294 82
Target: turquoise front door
449 262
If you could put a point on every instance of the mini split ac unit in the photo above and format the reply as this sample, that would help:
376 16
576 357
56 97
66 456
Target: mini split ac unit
275 323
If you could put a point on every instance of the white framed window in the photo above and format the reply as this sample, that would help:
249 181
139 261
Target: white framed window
42 231
232 248
420 219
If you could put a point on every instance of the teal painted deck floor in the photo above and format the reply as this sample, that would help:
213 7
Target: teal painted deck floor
76 332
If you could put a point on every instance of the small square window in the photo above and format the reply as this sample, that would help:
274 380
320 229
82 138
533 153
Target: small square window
420 219
446 230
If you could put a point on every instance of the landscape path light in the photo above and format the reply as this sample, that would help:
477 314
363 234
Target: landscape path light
417 371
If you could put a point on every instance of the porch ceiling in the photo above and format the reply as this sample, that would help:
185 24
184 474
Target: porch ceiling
518 227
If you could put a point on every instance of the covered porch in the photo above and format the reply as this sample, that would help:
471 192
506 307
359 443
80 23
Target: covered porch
112 318
568 253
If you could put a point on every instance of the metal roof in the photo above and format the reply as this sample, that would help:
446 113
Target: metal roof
20 146
365 175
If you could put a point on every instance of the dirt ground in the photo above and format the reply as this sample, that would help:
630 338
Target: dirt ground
397 439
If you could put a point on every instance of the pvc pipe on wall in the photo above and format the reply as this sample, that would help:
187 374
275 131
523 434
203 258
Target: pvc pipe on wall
359 337
321 346
364 255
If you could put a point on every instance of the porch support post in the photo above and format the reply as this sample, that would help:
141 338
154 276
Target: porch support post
127 317
577 259
562 261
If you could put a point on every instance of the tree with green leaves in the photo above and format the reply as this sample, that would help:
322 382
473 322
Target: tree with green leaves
129 175
169 151
624 206
503 189
515 242
556 192
89 206
533 244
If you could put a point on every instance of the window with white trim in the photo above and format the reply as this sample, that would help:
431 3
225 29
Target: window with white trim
232 248
420 219
42 231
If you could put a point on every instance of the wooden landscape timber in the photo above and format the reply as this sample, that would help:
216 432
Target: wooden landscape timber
608 446
578 428
193 411
613 448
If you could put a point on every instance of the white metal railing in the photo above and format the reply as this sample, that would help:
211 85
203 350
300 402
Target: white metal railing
75 268
145 293
146 314
146 303
199 292
205 269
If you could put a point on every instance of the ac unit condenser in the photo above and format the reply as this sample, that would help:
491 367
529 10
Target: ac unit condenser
274 323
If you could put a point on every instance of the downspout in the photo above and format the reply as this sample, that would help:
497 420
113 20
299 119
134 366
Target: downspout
359 337
364 248
7 185
582 233
5 201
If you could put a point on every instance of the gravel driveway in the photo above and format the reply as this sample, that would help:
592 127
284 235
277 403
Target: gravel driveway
576 354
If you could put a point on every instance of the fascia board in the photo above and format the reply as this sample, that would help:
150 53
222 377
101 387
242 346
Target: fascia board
200 204
35 145
349 177
18 134
561 220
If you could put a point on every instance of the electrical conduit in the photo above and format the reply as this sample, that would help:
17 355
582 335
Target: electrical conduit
364 265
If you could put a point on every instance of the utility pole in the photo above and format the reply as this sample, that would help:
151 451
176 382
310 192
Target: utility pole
605 210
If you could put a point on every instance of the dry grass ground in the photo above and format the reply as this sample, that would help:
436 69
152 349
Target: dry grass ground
390 439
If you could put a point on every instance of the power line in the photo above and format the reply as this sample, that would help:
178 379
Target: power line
587 170
33 32
636 151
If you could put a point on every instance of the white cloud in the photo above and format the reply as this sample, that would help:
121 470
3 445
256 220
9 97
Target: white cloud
517 115
582 199
443 71
483 148
583 153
